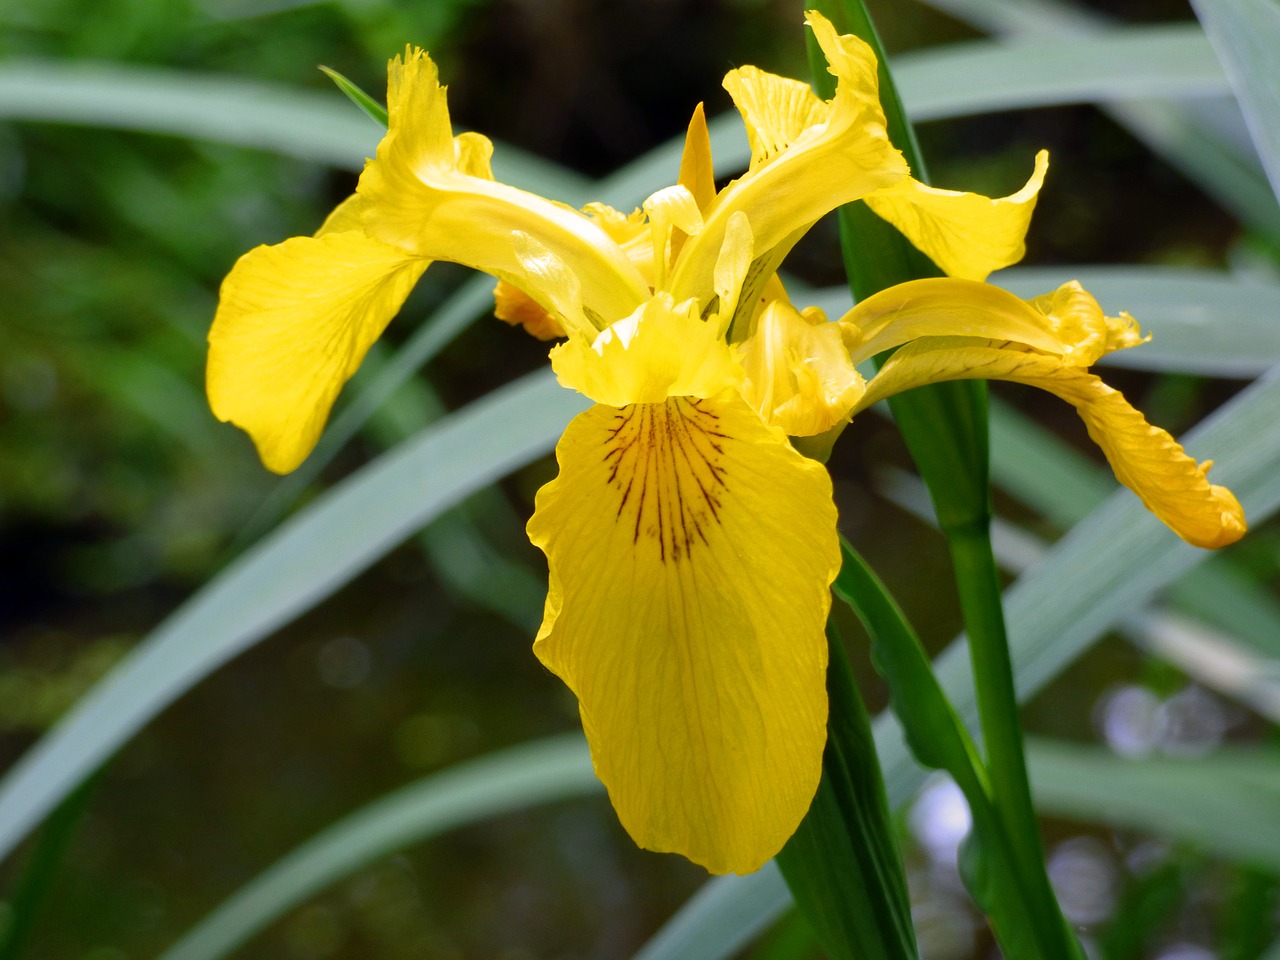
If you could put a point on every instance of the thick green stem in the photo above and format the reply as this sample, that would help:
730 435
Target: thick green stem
993 682
945 428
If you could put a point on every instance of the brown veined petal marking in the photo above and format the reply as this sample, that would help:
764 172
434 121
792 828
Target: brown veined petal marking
665 461
691 551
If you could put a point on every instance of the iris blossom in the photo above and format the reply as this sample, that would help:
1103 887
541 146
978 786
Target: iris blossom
691 547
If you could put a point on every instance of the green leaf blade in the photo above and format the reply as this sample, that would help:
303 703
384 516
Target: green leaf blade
541 771
371 107
286 574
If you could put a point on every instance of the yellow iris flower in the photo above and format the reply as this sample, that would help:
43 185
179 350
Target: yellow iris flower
691 547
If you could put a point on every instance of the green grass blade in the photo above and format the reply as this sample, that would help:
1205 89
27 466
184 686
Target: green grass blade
542 771
1025 923
1224 802
1246 35
1115 559
982 76
1232 176
371 107
842 864
28 898
949 81
722 918
1229 642
285 574
296 123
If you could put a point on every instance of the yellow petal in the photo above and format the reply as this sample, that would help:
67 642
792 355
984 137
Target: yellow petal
941 307
697 175
777 111
1145 458
346 216
1077 319
690 552
662 349
729 275
557 285
966 234
472 155
431 193
514 306
294 321
799 375
624 229
843 155
670 210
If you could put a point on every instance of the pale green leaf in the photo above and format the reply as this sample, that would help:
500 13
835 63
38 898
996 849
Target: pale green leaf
1189 139
320 127
1246 35
981 76
305 560
541 771
1224 802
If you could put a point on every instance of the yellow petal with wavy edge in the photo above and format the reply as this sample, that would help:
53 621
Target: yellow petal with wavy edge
777 111
431 193
662 349
1077 319
294 321
844 157
690 552
799 376
1063 323
1145 459
624 229
966 234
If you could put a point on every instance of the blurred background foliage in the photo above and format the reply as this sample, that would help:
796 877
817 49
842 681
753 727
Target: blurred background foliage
120 495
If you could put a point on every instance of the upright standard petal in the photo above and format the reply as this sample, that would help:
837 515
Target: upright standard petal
432 193
697 175
808 157
1144 458
966 234
294 321
691 552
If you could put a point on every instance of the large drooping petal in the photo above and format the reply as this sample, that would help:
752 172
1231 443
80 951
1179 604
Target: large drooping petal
294 321
809 157
966 234
798 372
691 551
432 193
1145 459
